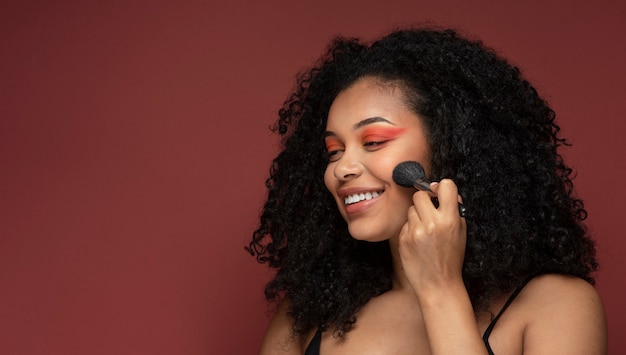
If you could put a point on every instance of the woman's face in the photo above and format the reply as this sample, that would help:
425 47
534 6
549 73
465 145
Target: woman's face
370 130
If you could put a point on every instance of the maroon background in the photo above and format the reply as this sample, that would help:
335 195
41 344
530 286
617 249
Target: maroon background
134 146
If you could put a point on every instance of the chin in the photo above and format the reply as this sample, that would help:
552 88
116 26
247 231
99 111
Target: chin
367 235
371 240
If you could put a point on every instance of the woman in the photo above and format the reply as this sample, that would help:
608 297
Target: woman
365 266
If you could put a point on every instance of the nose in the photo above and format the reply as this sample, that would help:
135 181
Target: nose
348 167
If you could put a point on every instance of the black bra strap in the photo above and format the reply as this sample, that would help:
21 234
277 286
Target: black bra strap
493 322
314 346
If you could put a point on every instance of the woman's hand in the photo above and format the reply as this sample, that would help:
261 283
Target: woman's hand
432 242
432 249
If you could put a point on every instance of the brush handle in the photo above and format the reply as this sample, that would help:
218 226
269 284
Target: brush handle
424 185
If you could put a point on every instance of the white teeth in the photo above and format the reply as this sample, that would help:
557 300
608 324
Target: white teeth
361 197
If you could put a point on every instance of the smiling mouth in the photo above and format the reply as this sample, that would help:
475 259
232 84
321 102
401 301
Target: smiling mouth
352 199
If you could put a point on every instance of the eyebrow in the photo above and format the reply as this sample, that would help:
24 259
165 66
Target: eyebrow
371 120
365 122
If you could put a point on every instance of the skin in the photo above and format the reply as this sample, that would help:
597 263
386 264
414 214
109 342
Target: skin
428 310
370 135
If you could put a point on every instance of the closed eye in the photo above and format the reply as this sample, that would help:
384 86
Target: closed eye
333 155
375 144
333 149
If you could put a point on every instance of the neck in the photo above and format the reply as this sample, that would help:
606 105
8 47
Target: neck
400 281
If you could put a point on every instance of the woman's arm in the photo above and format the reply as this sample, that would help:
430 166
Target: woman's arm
565 316
556 314
432 248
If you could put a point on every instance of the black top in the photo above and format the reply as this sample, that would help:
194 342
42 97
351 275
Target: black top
314 345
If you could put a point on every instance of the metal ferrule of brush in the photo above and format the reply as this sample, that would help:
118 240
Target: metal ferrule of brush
424 185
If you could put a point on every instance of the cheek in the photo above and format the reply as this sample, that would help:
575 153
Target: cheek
331 182
328 178
384 165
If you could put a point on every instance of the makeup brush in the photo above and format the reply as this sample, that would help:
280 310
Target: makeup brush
411 174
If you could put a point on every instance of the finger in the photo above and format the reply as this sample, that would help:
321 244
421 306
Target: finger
422 201
448 196
462 209
413 217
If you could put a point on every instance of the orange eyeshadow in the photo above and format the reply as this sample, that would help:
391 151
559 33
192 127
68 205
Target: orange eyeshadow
382 132
332 144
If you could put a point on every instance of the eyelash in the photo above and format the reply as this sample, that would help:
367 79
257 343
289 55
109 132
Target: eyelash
371 145
375 143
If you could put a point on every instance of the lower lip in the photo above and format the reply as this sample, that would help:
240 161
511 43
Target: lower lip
360 206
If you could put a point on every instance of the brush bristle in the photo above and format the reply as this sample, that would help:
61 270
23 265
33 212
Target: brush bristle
405 174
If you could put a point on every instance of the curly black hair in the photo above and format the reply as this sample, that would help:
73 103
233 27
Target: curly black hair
488 130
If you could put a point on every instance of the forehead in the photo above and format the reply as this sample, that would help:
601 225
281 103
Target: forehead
369 97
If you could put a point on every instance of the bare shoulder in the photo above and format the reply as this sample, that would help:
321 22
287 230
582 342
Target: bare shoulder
279 338
558 292
564 316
